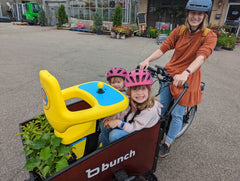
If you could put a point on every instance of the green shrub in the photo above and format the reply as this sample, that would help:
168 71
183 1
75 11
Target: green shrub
98 22
62 16
226 40
153 33
42 17
149 31
117 16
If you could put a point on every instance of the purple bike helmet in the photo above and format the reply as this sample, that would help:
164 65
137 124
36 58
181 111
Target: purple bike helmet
116 72
138 77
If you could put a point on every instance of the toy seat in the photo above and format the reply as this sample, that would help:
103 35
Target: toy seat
74 126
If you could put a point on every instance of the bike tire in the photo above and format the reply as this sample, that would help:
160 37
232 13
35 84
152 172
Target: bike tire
187 119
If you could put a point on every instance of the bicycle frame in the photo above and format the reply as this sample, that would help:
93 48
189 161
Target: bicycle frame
166 119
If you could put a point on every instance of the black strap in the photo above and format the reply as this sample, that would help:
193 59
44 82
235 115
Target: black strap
135 114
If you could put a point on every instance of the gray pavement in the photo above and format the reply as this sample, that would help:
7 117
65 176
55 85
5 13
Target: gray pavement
209 150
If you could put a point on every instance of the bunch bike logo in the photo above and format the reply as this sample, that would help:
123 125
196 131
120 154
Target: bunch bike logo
105 166
44 96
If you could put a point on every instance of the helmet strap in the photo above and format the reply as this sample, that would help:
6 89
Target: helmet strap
194 31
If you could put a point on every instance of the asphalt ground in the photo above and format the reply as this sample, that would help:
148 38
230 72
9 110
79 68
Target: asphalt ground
209 150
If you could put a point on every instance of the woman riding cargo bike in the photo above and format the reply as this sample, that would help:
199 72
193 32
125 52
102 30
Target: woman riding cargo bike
193 44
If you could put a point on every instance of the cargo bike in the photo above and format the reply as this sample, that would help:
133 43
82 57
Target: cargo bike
133 157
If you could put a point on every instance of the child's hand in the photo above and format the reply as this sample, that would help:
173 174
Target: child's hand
112 123
112 117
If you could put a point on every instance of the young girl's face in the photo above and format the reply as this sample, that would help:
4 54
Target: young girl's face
139 94
117 83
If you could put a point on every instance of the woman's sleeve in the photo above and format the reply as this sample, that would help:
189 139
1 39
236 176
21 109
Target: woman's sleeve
170 42
208 45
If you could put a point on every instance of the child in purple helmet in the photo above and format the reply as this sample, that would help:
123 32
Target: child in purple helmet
116 77
143 111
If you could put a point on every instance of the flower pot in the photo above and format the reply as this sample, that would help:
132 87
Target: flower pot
113 34
118 36
227 48
99 32
123 36
217 48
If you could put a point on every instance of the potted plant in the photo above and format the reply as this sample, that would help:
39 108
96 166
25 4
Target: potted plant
121 32
42 17
149 31
62 16
98 22
113 32
225 40
117 16
228 41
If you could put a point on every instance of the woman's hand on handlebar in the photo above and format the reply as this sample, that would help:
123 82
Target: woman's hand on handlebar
144 65
180 79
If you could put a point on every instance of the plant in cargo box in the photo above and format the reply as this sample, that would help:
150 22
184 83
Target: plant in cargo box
44 151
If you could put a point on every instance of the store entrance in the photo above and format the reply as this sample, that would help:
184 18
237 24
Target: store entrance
233 18
171 12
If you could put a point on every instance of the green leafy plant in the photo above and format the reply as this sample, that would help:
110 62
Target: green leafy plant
42 17
134 27
62 16
224 38
44 151
227 40
98 22
153 33
117 16
149 30
139 33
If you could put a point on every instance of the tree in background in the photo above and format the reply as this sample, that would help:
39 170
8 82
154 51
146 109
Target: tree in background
117 16
62 16
98 22
42 17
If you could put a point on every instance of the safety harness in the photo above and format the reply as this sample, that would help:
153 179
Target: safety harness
138 111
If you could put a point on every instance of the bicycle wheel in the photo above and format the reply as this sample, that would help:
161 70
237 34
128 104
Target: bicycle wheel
187 119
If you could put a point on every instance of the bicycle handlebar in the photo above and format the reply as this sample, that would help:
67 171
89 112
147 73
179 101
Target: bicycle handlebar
161 71
166 78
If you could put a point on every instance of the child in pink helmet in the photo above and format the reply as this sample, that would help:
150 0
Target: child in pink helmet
116 77
143 111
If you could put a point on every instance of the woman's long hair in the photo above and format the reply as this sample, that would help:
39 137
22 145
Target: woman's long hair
149 103
202 26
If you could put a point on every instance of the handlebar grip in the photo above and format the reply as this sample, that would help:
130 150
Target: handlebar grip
152 69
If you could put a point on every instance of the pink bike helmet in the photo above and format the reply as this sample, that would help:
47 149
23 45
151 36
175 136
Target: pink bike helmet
116 72
138 77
